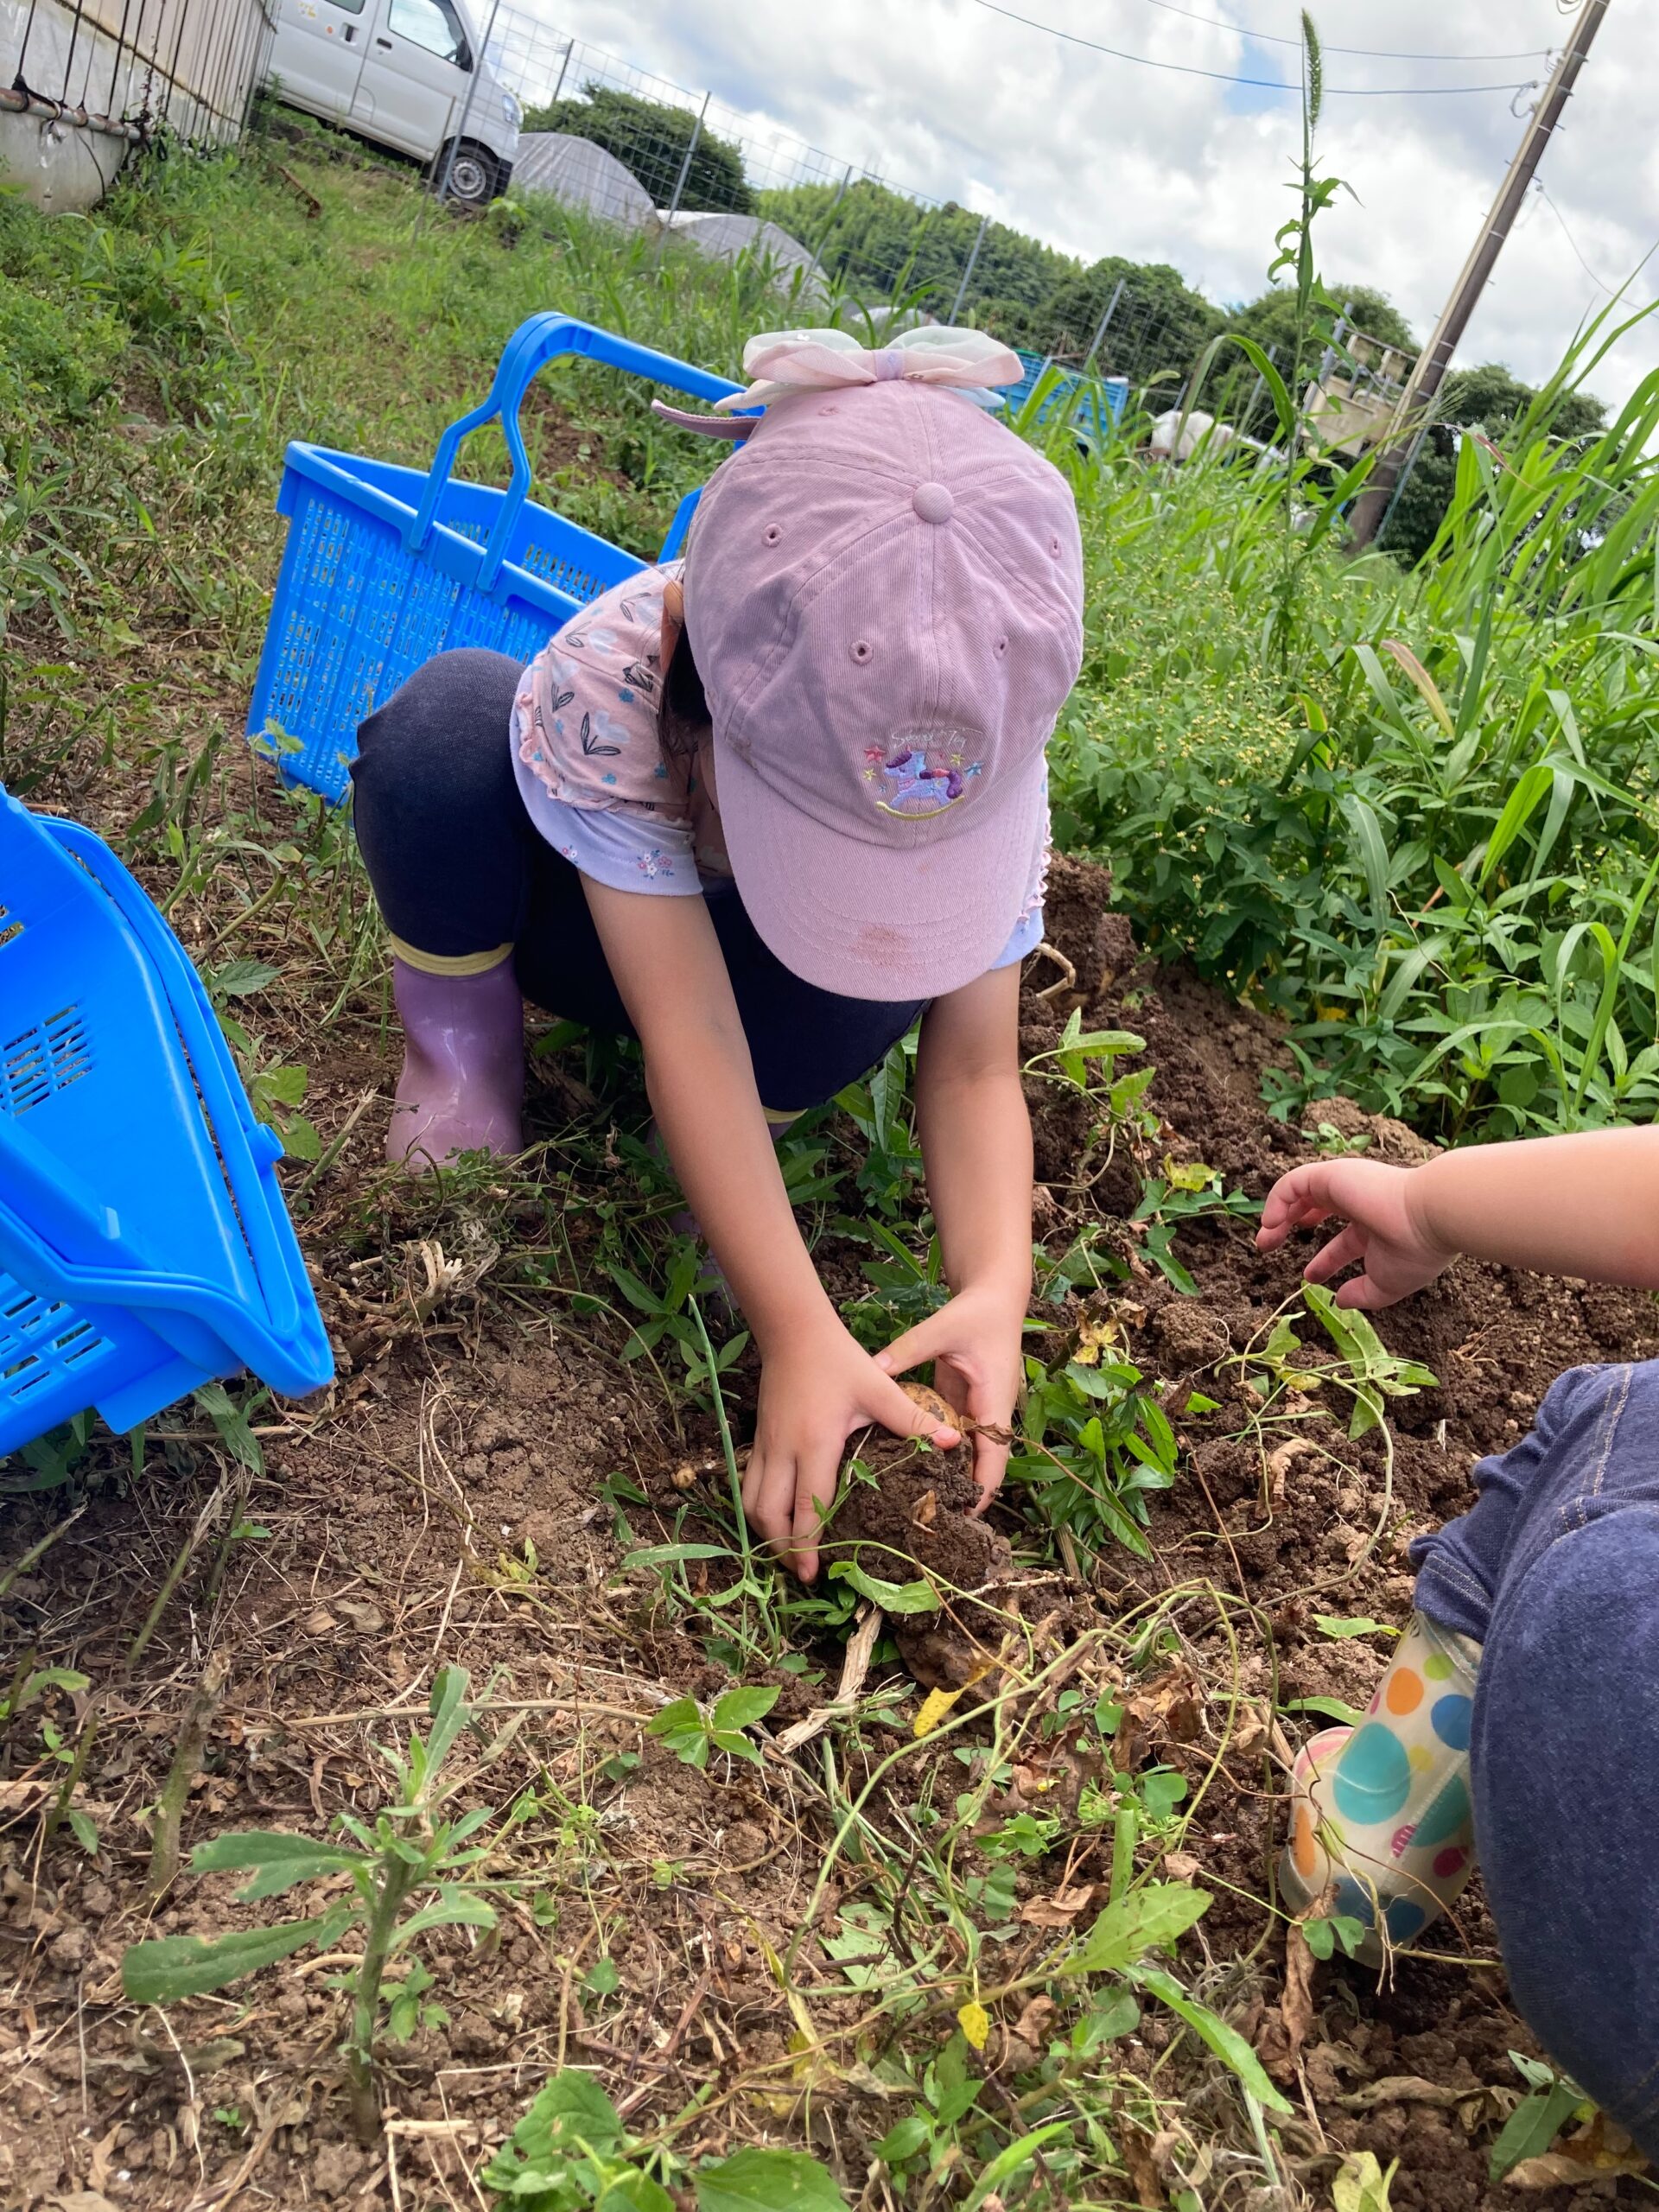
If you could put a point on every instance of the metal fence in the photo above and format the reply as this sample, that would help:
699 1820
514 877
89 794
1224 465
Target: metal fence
128 68
864 239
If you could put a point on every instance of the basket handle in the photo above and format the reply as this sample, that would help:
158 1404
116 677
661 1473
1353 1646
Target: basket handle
538 341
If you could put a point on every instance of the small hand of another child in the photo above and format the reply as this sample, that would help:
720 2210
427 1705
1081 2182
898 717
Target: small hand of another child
1386 1229
974 1342
816 1388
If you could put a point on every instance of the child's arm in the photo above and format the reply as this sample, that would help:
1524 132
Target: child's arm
818 1386
976 1143
1572 1206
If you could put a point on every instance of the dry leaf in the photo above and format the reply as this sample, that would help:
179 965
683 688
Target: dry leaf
363 1614
1059 1910
1296 2005
19 1796
1029 2031
1403 2089
1169 1708
1250 1729
1033 1783
81 2200
933 1708
1549 2170
320 1623
1096 1334
975 2023
1601 2147
1139 2156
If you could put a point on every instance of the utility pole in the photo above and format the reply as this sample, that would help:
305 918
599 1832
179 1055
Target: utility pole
1436 357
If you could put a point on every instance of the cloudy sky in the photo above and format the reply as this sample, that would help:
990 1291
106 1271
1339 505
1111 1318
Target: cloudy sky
1098 155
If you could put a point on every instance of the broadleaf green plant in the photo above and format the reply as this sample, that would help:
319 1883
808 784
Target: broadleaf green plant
571 2152
692 1734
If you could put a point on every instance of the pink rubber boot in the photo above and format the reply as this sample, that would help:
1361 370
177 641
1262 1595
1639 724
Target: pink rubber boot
462 1087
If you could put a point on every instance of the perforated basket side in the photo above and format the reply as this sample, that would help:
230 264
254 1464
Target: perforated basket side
51 1362
358 614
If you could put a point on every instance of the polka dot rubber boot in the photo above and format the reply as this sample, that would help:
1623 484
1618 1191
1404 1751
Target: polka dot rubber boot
1383 1810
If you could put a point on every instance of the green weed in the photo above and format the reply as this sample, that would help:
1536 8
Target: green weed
571 2151
413 1850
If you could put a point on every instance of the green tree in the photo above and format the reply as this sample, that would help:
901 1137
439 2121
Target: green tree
881 243
1271 318
1231 390
650 138
1491 397
1157 327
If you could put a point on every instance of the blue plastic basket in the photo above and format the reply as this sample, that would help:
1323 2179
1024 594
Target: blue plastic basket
1096 405
144 1246
385 567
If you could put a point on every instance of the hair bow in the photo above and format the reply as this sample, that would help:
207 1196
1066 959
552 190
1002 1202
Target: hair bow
785 361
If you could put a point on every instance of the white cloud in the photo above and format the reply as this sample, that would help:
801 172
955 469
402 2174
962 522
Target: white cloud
949 99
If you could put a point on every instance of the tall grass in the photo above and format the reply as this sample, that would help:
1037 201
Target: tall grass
1430 840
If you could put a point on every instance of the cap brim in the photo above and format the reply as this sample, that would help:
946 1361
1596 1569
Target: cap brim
871 920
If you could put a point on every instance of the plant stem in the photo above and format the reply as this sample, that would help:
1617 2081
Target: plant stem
38 1551
72 1780
397 1879
187 1760
1125 1828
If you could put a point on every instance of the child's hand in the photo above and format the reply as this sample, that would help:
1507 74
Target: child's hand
974 1341
1386 1228
817 1388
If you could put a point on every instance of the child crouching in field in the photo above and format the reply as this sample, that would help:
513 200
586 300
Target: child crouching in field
761 810
1543 1600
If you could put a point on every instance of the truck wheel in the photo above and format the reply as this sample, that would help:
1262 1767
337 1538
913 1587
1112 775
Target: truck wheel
472 175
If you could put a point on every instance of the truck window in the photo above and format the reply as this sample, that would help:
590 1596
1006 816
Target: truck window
433 25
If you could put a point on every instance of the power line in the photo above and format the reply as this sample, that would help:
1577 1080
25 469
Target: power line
1370 53
1543 194
1262 84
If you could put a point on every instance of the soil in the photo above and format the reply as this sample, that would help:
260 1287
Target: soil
468 1491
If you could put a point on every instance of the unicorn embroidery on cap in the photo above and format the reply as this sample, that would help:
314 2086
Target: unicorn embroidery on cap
921 780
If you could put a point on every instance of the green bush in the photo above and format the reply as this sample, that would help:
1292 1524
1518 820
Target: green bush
650 138
1428 840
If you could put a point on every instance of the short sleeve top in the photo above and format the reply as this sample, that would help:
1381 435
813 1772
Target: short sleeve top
592 775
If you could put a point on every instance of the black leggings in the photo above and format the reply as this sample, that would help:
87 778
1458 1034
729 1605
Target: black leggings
458 867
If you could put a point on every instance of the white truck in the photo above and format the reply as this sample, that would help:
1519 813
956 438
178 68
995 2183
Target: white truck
410 74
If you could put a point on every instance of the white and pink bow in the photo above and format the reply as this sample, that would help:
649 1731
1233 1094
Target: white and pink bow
779 362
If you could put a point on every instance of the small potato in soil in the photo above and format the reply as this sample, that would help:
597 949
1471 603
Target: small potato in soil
915 1518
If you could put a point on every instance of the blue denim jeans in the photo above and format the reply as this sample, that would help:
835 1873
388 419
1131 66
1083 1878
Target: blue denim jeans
1555 1571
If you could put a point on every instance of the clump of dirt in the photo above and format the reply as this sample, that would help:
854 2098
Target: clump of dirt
913 1514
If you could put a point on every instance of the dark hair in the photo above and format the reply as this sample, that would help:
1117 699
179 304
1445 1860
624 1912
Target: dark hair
682 716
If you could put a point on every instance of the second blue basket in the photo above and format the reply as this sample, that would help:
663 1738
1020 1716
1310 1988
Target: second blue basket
385 567
144 1246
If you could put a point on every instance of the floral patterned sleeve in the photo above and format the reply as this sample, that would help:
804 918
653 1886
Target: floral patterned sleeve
585 749
627 850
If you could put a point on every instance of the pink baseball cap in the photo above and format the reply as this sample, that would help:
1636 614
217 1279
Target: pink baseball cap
884 596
